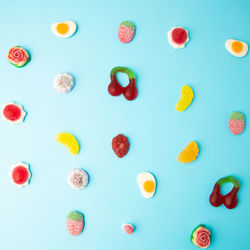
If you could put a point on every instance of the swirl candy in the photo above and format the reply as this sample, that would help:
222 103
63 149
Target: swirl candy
230 200
201 237
115 88
18 56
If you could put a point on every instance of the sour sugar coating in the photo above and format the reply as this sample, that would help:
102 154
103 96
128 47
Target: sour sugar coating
128 228
115 88
20 174
187 95
13 113
69 141
78 179
230 200
120 145
236 123
126 31
75 223
201 237
18 56
178 37
189 153
63 83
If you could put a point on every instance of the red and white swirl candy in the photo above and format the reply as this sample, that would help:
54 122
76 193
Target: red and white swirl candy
201 237
18 56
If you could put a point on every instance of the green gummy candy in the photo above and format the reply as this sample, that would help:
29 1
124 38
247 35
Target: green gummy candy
237 116
74 215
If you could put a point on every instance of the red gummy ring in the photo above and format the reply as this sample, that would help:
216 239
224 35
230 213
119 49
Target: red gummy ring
179 35
13 112
20 174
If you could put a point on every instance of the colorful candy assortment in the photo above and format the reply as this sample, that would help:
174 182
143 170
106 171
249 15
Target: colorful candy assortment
78 178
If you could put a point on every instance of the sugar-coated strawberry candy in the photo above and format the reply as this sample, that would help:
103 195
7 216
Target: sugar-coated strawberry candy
75 223
126 31
120 145
236 123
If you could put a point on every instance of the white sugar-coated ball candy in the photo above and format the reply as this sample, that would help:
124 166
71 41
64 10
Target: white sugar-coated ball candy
63 83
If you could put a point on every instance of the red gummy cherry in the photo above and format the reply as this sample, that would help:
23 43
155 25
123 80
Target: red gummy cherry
120 145
231 200
216 199
130 92
12 112
20 175
179 35
114 88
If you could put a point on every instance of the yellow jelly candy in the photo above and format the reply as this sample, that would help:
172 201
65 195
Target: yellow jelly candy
187 95
189 153
69 141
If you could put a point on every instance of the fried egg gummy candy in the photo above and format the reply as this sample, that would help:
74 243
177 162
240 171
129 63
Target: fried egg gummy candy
64 29
21 174
236 123
230 200
147 184
69 141
13 113
201 237
189 153
236 48
126 31
18 56
75 223
178 37
186 98
115 88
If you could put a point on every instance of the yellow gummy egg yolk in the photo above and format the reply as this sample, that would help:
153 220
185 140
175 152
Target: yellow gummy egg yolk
149 186
237 46
62 28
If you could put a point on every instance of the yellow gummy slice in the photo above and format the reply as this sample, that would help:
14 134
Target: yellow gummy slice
187 95
69 141
189 153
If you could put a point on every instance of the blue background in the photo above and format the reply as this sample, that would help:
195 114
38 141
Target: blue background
34 217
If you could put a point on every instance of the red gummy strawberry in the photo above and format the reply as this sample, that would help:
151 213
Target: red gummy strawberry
126 31
120 145
236 123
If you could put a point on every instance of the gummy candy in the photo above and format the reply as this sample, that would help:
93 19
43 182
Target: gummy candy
126 31
18 56
189 153
12 112
201 237
21 174
115 88
186 98
120 145
236 123
69 141
75 223
128 228
178 37
230 200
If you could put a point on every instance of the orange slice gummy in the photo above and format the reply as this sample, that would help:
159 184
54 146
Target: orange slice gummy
189 153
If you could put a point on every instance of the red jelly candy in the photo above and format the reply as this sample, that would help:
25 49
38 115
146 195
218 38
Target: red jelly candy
12 112
179 35
20 175
115 88
230 200
120 145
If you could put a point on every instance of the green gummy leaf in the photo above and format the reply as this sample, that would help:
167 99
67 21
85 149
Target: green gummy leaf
128 24
74 215
237 116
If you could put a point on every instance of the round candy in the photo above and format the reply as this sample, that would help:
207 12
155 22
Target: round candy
236 123
201 237
178 37
64 29
63 83
78 179
21 174
12 112
120 145
128 228
18 56
75 223
126 31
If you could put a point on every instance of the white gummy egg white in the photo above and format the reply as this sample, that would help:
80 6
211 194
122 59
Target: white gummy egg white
236 48
64 29
147 184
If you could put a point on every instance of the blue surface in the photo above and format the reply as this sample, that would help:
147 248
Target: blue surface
34 217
